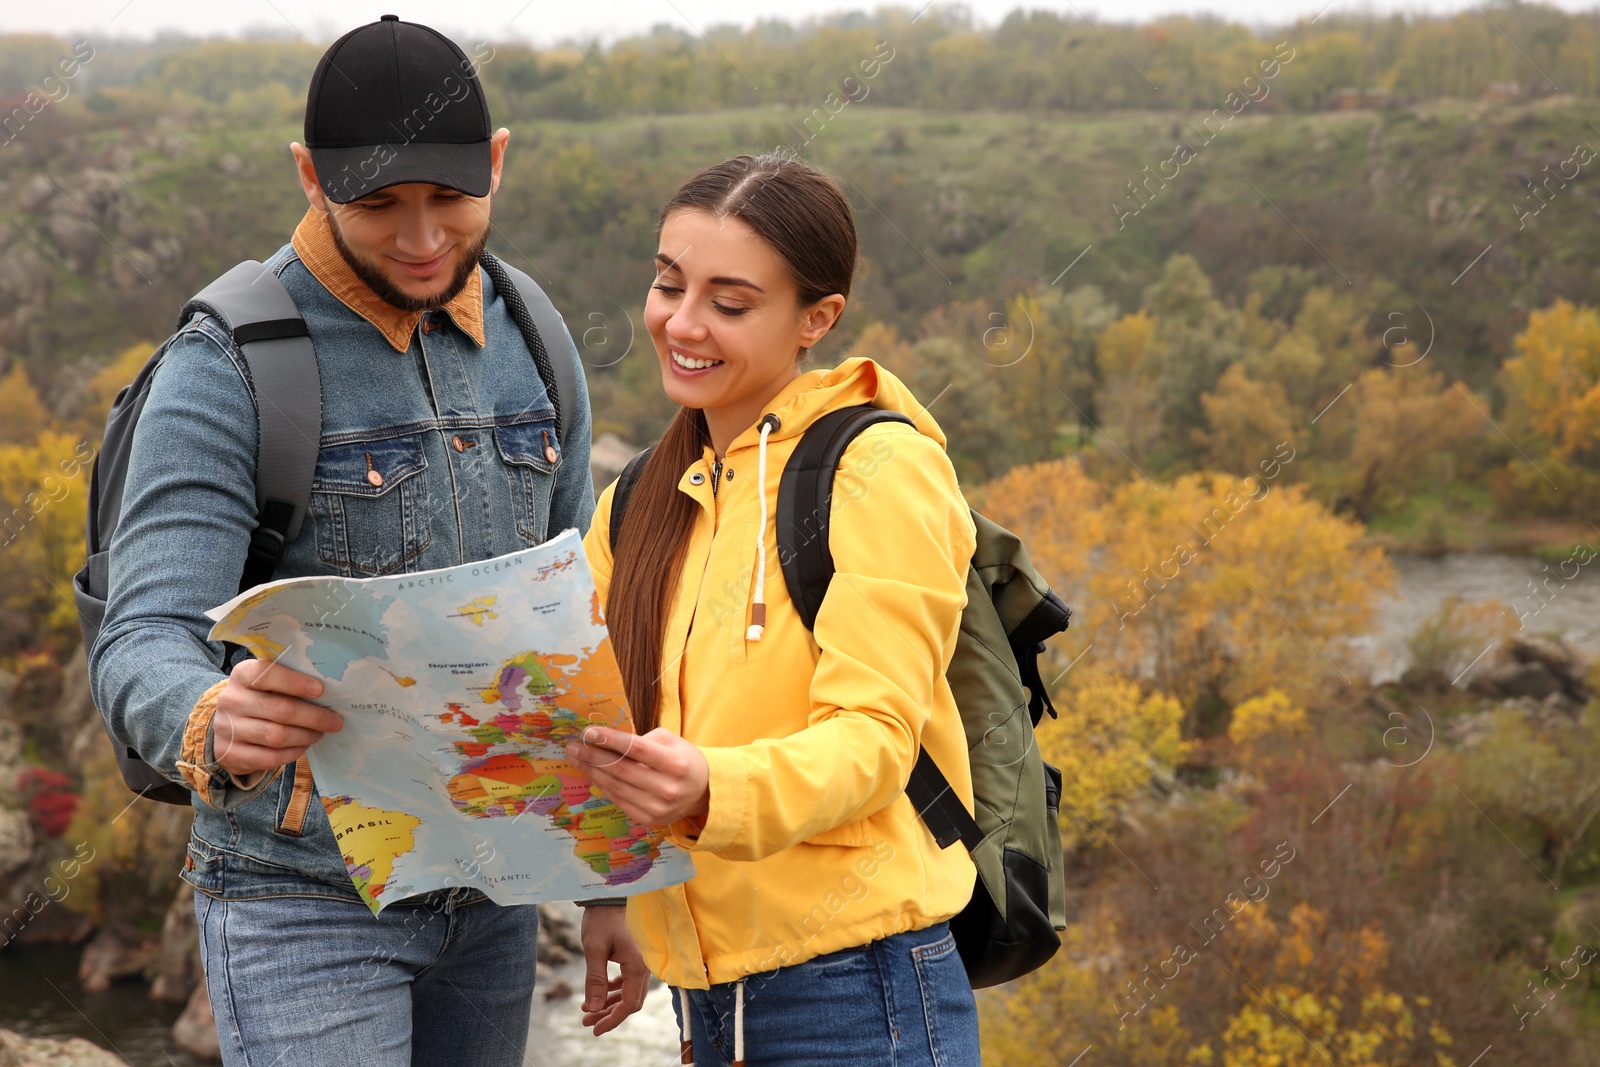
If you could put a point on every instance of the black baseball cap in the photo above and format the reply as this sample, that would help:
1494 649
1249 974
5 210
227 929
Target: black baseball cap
394 102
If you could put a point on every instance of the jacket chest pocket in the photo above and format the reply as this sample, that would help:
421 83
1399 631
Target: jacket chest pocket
531 454
370 505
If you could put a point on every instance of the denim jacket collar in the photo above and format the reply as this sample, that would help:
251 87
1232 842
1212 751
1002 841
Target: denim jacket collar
313 242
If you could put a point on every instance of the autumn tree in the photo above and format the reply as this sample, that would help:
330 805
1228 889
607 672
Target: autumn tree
1553 405
1318 348
1397 430
131 849
958 387
1247 420
1196 338
1110 742
1129 402
1554 380
1056 508
1543 774
1047 1017
23 415
1459 635
1043 353
1263 726
43 494
1216 588
1310 994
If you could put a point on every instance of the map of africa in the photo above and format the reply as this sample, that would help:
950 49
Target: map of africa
460 689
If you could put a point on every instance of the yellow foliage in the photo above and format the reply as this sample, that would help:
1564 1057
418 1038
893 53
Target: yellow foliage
1129 404
22 414
1248 421
1554 378
43 494
1396 424
881 343
1055 507
1263 723
1127 349
1110 741
1217 585
1294 1028
1046 1018
1315 997
110 380
1207 586
1027 1023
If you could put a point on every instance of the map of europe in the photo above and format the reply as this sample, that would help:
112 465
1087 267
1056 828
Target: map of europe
459 689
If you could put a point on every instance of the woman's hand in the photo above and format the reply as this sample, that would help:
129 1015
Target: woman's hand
656 779
607 1001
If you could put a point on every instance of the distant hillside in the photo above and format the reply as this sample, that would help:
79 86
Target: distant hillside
108 226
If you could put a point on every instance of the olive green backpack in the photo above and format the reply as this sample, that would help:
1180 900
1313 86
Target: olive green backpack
1010 926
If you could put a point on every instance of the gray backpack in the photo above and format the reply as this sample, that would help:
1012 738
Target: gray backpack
1010 926
271 336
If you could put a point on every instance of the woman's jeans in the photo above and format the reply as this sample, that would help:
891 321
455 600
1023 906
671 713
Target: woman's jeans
443 979
900 1002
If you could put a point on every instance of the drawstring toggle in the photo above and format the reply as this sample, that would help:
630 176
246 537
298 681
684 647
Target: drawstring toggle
758 610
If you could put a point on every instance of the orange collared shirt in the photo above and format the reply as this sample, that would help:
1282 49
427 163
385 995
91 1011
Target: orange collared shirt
313 242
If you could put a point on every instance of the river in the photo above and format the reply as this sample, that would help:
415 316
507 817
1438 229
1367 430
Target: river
39 993
1544 598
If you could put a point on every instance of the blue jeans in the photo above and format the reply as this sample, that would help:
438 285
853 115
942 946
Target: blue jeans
317 982
903 1001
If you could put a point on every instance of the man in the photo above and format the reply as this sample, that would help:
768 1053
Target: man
438 447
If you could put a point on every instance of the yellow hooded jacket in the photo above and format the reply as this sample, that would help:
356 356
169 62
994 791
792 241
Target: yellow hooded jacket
810 844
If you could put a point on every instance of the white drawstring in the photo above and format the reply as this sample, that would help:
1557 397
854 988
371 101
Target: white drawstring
687 1046
758 610
738 1024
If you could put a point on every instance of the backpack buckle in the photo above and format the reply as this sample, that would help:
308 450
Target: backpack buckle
266 548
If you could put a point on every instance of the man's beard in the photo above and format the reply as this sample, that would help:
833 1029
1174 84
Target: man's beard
386 290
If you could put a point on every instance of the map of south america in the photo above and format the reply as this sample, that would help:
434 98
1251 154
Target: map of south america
460 689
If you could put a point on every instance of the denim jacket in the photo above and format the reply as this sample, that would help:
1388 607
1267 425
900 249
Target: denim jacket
464 439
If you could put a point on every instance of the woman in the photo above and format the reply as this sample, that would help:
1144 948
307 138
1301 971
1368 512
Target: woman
815 929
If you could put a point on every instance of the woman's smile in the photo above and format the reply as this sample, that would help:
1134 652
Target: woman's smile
689 365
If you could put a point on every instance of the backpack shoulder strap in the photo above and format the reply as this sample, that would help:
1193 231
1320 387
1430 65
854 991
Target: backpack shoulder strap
272 337
805 499
542 327
619 495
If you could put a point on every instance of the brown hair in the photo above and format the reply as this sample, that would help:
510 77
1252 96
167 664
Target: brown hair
802 215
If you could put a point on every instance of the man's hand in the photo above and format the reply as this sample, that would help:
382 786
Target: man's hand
656 779
607 1001
264 719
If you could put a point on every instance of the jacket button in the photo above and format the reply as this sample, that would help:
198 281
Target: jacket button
456 442
727 473
697 478
375 478
550 453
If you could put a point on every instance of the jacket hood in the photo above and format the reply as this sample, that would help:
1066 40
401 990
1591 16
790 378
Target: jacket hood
801 403
855 381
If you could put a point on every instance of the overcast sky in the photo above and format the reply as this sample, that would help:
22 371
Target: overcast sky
545 22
